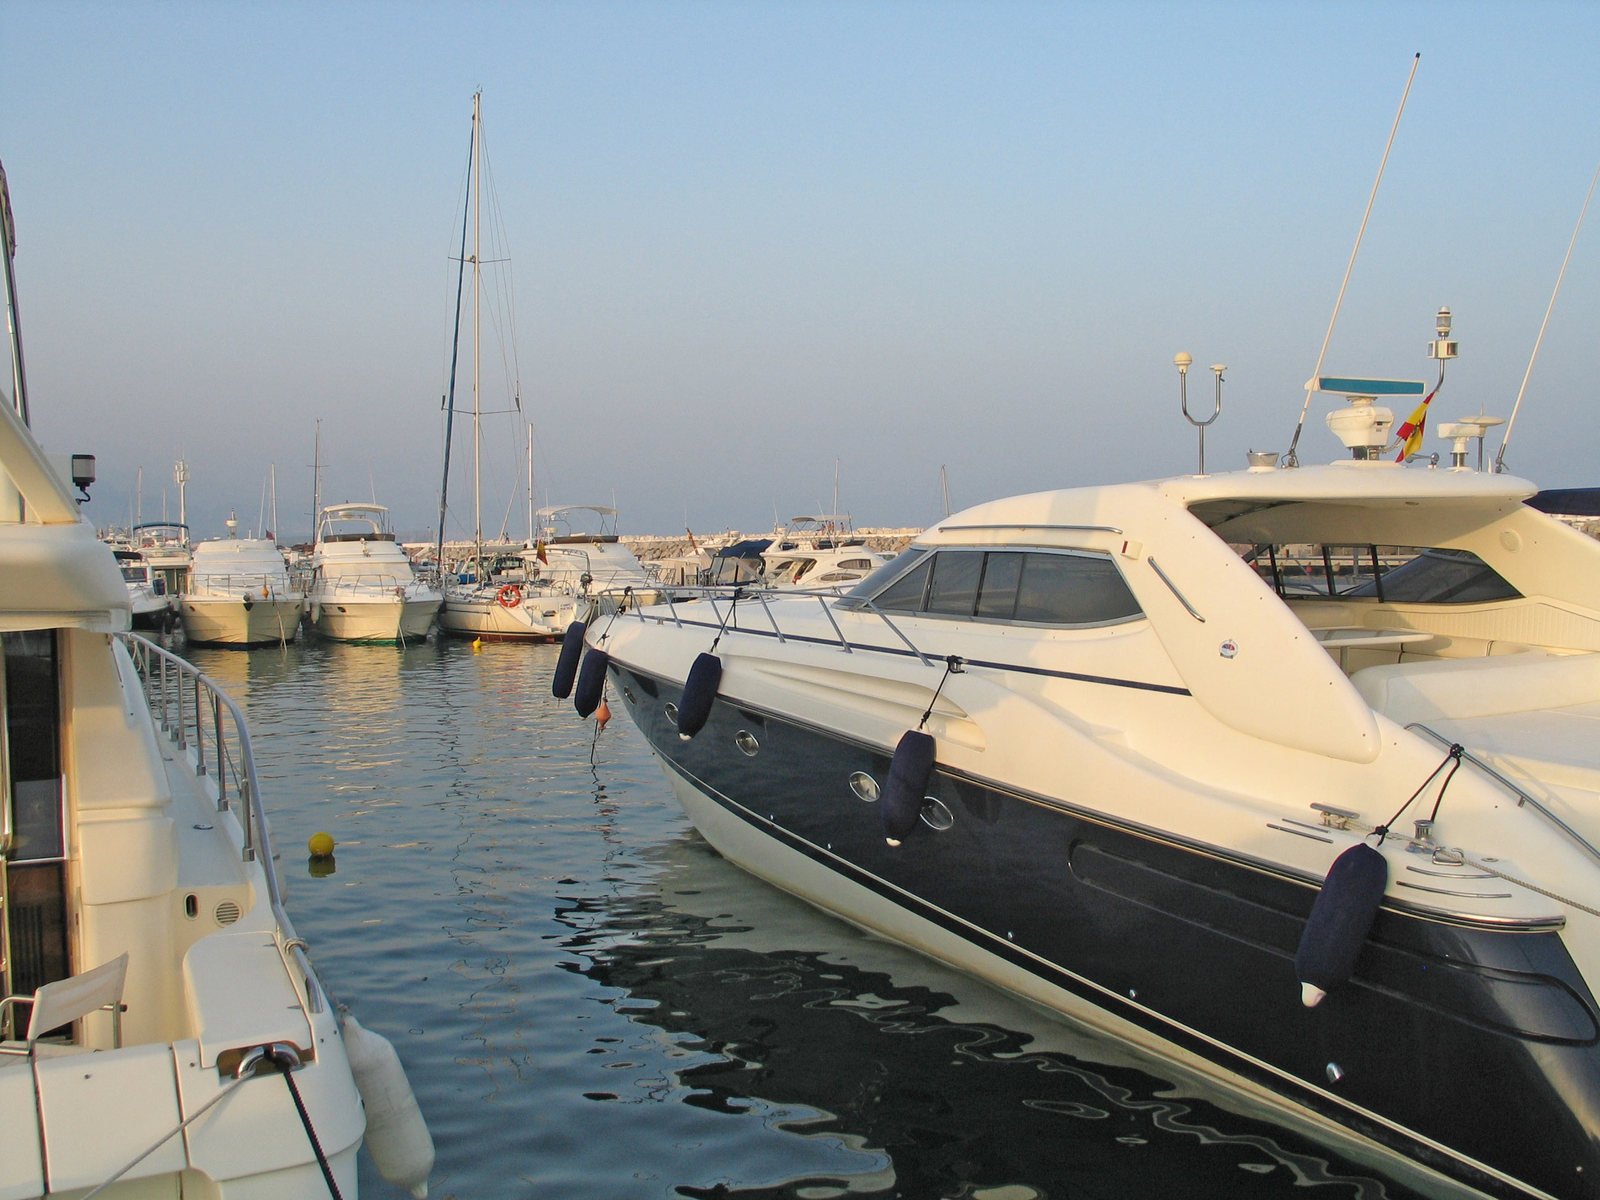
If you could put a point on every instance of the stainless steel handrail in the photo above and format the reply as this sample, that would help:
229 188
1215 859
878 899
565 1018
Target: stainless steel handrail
1522 796
762 596
167 680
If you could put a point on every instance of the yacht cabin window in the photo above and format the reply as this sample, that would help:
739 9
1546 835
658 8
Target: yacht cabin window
1396 574
1046 587
33 919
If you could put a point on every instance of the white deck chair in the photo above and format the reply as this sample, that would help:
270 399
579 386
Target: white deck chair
70 999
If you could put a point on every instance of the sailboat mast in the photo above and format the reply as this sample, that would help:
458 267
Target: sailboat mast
477 323
455 345
316 481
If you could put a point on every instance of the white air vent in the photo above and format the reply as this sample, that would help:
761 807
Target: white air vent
227 912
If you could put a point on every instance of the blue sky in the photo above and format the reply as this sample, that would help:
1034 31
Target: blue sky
756 245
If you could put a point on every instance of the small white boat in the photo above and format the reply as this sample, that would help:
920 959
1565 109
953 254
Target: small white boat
165 546
503 606
163 1032
240 594
148 601
821 551
1335 848
587 564
363 587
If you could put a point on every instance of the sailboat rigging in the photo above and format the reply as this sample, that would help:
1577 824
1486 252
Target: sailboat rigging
498 599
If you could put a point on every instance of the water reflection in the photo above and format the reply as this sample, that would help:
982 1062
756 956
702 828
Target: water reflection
590 1003
939 1086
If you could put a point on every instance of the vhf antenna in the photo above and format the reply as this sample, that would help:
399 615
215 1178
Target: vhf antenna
1500 456
1312 384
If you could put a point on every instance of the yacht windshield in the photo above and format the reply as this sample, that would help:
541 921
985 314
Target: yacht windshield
1397 574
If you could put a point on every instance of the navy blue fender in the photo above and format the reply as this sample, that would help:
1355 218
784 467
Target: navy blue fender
567 664
1340 921
907 785
699 690
591 681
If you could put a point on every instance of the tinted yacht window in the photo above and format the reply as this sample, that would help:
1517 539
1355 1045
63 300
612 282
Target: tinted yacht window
1073 589
955 582
1440 577
869 586
905 594
1002 575
1043 587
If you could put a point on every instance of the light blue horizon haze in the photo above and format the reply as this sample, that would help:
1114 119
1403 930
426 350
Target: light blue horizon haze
755 247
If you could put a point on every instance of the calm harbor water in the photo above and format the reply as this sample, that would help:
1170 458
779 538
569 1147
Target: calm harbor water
591 1004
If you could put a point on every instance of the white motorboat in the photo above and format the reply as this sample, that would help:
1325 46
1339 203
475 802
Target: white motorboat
1337 850
163 1032
148 601
240 594
593 563
821 551
165 546
363 588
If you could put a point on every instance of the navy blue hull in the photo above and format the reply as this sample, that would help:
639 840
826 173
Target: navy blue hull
1481 1040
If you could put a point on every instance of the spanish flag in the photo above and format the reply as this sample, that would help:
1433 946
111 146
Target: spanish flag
1411 430
538 551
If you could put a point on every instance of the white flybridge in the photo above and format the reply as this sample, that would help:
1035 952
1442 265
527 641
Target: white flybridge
163 1033
363 587
820 551
240 594
580 563
1287 776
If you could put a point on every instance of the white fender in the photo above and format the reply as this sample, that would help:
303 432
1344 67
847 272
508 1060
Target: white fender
397 1136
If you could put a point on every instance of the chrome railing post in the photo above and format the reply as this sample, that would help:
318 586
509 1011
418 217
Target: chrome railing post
199 730
219 760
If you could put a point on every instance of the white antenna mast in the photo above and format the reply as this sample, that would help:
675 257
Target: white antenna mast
1312 384
1500 456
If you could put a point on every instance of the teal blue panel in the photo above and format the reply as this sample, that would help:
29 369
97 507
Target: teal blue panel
1369 387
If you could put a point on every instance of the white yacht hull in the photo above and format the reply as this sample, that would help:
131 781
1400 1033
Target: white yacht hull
533 617
373 619
228 621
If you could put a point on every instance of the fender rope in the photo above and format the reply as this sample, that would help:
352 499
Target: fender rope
952 666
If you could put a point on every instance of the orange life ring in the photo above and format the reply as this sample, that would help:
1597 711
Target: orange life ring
509 595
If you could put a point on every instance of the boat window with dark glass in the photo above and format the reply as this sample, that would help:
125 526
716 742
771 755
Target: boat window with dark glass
1073 589
1002 576
1396 574
1436 576
33 748
883 571
955 582
905 594
33 873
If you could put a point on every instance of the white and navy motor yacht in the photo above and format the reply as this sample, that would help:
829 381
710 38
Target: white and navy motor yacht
1328 838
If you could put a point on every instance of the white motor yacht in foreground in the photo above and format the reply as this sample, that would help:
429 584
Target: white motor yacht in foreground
1334 844
163 1033
240 594
363 588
